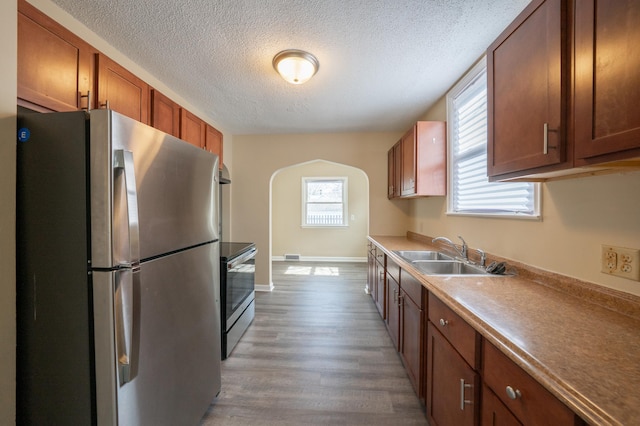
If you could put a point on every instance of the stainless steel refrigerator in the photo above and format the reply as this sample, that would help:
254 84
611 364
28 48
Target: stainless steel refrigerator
118 273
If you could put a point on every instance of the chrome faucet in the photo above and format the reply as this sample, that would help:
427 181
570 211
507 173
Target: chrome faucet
462 251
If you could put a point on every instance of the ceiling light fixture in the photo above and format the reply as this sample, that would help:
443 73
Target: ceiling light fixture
295 66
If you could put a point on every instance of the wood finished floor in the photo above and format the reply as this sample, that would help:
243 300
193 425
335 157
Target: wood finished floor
317 353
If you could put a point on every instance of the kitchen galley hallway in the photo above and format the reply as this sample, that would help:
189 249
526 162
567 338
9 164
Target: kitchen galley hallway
317 353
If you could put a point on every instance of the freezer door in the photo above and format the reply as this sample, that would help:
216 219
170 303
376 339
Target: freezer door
163 332
151 193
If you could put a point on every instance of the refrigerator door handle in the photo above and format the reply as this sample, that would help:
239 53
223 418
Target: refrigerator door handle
124 160
126 279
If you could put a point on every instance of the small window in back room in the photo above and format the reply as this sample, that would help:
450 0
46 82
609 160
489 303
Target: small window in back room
470 192
324 201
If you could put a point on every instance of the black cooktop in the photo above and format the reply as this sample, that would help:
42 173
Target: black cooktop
230 250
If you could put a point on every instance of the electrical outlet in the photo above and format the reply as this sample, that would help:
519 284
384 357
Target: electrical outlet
620 261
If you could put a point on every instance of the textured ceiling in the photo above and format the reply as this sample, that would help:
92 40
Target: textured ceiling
383 63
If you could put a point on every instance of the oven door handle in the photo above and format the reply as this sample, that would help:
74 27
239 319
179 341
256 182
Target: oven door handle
250 254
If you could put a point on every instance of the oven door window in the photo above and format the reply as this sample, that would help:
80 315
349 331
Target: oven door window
240 284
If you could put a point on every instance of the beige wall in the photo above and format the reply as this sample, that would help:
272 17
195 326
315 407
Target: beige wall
289 237
578 216
258 157
8 87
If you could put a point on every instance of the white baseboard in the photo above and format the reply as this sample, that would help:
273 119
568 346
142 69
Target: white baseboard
320 259
264 287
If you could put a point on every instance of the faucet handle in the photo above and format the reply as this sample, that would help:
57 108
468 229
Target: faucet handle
483 257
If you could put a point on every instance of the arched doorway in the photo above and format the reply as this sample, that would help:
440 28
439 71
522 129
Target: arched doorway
288 237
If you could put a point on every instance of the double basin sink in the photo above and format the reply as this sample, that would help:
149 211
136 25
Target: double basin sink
437 263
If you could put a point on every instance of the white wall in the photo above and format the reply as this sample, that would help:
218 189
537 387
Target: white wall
8 93
289 237
578 216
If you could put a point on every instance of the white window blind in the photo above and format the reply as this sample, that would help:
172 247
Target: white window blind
470 190
324 201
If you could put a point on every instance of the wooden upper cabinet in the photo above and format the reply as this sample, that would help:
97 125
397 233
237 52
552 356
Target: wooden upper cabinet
121 91
213 142
527 82
165 114
424 160
408 171
394 170
55 67
192 129
607 80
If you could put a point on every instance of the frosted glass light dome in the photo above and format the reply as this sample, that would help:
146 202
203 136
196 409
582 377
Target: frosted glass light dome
295 66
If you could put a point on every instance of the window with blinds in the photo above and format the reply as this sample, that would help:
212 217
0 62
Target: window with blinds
470 191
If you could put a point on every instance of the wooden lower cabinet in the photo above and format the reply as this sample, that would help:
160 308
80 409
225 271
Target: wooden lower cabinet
380 292
453 387
521 394
494 412
461 378
393 312
371 270
411 340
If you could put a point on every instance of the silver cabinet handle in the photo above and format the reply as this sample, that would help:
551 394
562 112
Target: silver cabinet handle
545 147
395 296
463 401
88 96
443 322
123 160
513 394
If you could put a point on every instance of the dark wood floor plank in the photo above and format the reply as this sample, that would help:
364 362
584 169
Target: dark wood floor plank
317 353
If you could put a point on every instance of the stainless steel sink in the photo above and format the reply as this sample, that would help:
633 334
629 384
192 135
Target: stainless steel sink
452 267
416 255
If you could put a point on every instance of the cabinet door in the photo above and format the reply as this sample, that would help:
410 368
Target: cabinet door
121 91
527 77
165 114
393 312
431 158
494 412
411 335
54 65
371 273
380 293
452 386
192 128
213 142
607 78
397 169
391 184
408 182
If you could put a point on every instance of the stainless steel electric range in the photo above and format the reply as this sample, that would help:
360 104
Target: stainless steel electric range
237 292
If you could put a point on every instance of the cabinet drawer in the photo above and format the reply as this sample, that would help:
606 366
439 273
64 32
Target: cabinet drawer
412 287
393 270
460 334
531 403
